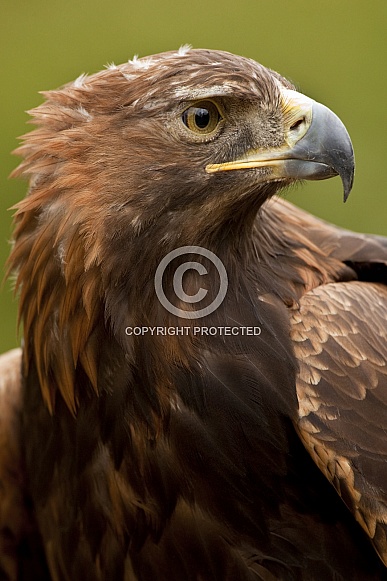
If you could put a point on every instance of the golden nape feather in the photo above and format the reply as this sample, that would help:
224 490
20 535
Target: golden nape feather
201 360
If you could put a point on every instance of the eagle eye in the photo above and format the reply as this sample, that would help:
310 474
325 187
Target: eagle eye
202 118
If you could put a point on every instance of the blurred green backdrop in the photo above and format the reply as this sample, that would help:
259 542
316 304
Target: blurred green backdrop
334 51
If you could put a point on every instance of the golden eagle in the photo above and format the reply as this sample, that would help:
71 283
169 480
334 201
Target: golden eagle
146 436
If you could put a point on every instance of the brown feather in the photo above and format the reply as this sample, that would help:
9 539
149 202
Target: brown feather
329 423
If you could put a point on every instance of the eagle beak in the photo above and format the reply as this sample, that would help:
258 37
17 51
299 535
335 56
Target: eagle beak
316 146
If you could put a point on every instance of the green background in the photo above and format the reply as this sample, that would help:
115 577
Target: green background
333 50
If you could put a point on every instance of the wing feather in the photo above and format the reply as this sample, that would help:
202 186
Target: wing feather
21 550
13 518
340 340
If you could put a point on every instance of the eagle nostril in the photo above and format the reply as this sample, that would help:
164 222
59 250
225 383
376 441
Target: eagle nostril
297 124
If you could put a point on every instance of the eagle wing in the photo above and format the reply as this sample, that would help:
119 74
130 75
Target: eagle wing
21 553
12 514
339 332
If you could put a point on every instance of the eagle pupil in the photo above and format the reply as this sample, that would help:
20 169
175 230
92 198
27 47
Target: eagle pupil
202 118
